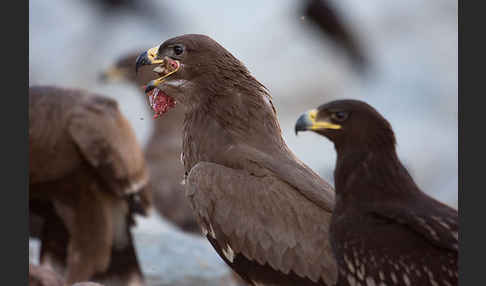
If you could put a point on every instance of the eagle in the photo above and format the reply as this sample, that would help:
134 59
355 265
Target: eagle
265 212
122 70
87 180
162 152
384 229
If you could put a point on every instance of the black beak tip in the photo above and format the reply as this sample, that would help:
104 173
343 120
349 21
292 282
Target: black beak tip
148 88
301 124
141 61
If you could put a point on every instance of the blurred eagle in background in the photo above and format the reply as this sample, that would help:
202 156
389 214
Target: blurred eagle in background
88 179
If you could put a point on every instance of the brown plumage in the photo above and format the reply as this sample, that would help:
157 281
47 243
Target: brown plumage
162 152
385 230
43 276
87 176
264 211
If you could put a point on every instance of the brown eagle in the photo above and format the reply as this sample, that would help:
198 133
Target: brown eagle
162 152
384 230
122 70
265 212
87 177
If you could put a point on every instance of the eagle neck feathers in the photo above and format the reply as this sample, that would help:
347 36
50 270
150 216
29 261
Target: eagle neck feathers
230 110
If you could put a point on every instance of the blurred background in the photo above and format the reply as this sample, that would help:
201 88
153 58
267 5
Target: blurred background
399 56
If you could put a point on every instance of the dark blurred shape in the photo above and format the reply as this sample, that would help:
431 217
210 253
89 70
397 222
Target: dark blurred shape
123 70
332 25
163 150
35 224
160 15
87 176
116 6
43 276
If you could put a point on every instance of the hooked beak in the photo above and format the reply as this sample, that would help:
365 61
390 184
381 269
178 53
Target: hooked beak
152 57
307 121
148 58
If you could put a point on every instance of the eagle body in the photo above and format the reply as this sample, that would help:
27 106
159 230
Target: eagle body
264 211
87 177
411 243
384 229
221 176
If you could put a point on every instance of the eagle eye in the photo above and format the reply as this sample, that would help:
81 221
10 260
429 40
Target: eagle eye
340 115
178 50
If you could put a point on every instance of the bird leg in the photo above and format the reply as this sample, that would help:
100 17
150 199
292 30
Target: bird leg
91 237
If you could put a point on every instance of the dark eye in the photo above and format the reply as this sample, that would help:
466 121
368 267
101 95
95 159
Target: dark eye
340 115
178 50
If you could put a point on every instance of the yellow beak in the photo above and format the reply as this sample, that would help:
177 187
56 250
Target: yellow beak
307 121
150 57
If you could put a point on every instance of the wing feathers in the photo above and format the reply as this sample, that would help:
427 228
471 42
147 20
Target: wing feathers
432 220
108 143
264 219
287 168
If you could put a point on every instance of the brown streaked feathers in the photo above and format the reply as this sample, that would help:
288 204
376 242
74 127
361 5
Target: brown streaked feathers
87 179
265 212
